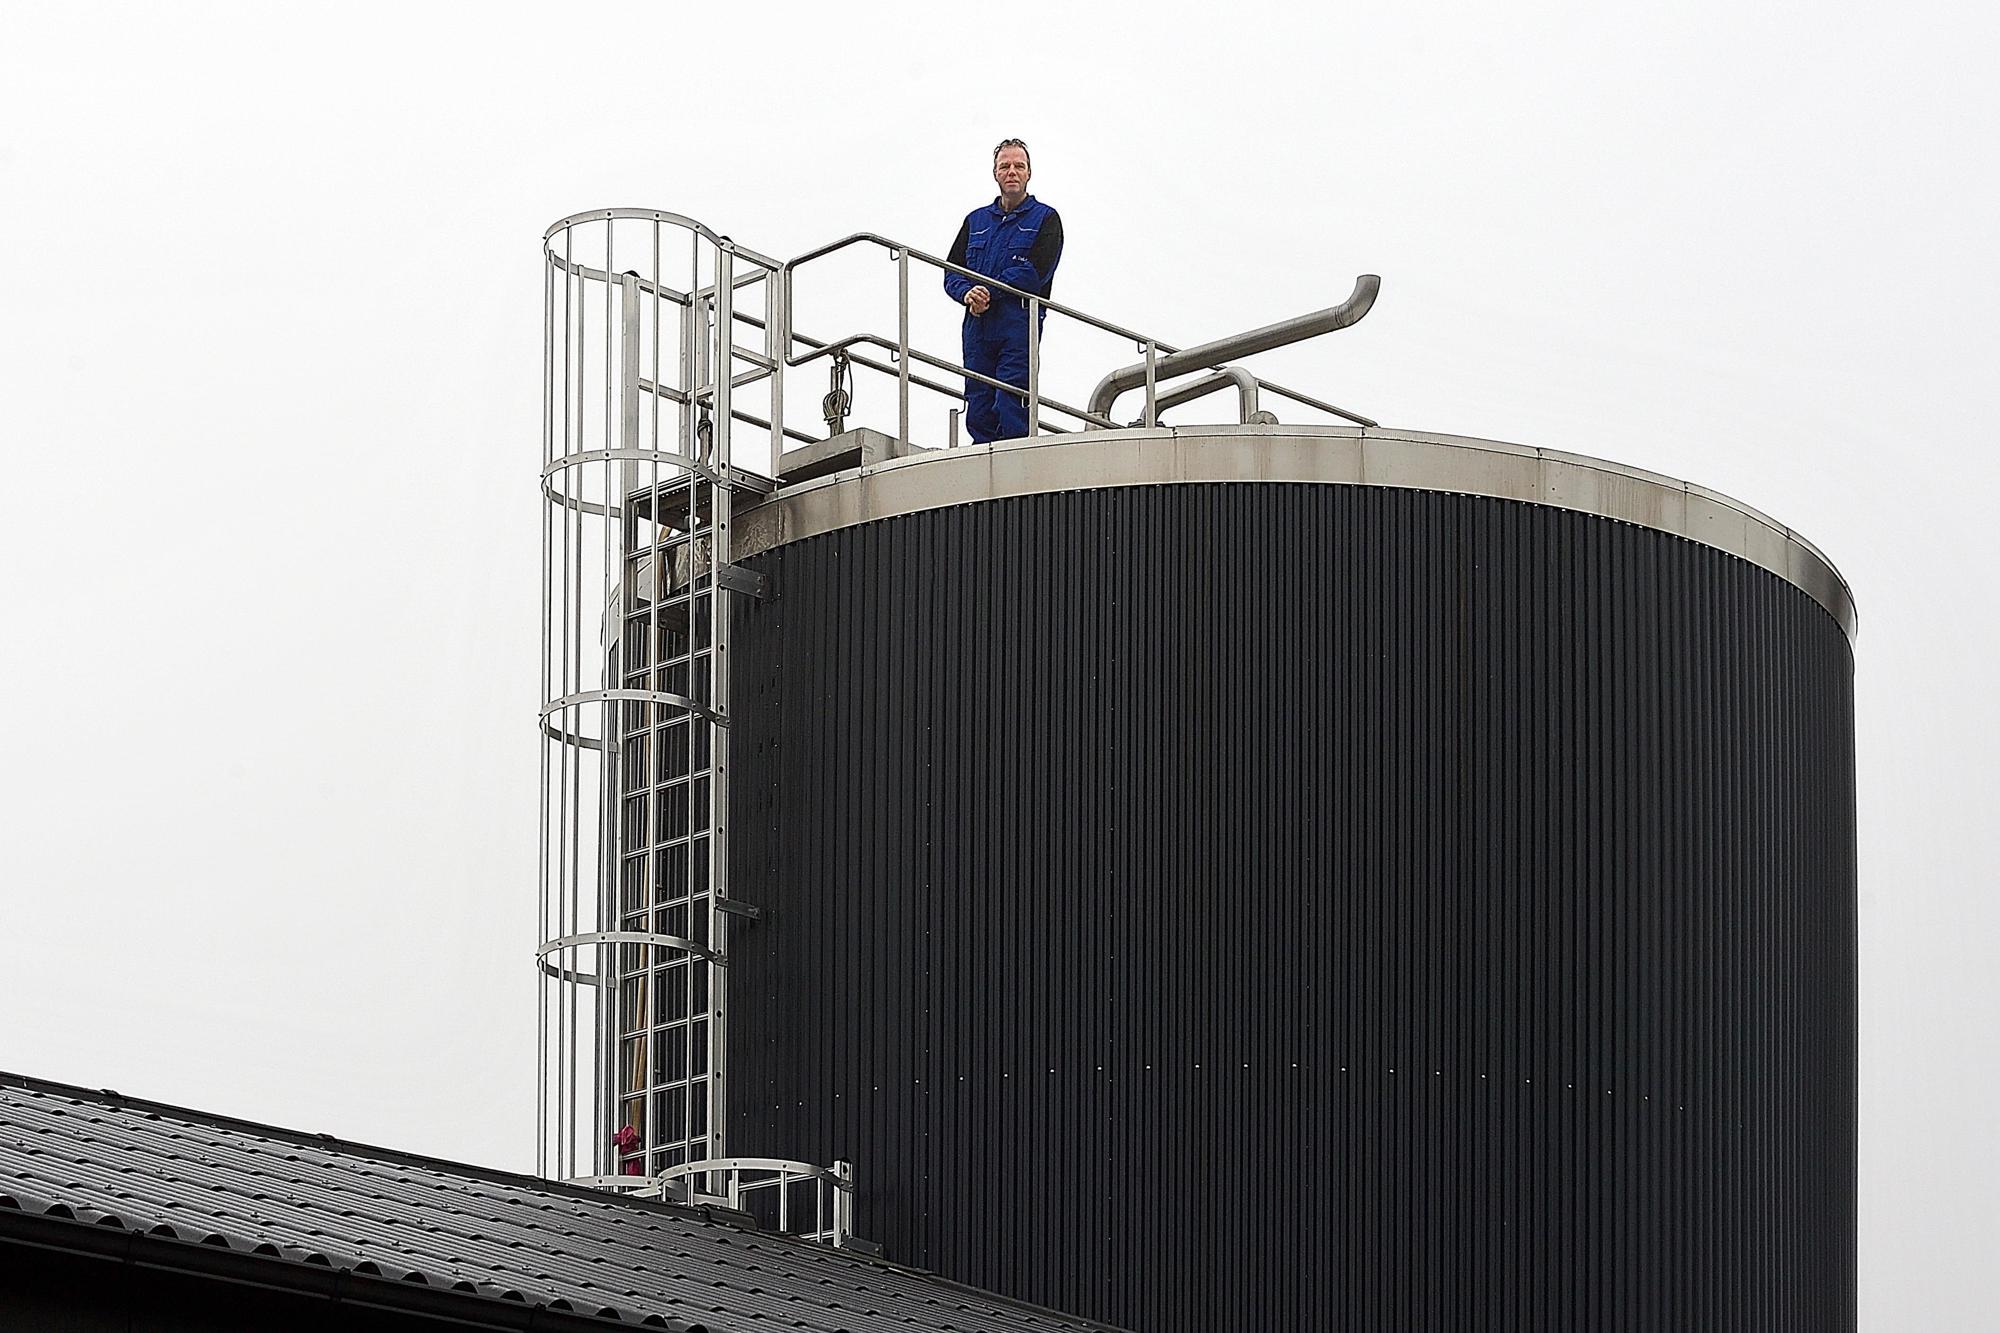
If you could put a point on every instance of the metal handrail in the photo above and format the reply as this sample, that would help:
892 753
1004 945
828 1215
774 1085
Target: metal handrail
941 363
1160 356
993 283
1164 360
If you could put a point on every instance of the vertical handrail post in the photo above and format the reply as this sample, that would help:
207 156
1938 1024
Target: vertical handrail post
777 343
1034 366
903 345
1152 416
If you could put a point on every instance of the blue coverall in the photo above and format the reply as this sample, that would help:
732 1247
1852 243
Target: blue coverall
1020 248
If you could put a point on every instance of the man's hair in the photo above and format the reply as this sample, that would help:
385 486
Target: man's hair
1013 143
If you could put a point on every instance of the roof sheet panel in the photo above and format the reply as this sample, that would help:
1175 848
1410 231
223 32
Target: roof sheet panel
302 1198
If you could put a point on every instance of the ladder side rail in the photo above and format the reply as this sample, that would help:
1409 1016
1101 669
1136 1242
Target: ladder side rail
612 960
569 870
719 700
693 880
547 1107
637 1077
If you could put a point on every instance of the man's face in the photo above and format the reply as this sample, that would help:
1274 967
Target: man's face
1010 173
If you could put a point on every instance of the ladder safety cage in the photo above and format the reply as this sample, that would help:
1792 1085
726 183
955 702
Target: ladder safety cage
791 1198
814 1203
645 380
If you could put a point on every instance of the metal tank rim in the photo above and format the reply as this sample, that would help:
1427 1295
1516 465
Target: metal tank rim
1329 455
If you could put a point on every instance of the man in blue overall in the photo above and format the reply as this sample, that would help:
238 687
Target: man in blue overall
1017 240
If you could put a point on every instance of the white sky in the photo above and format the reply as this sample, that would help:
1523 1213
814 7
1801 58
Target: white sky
269 393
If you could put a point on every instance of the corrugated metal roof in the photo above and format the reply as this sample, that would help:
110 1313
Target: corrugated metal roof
295 1198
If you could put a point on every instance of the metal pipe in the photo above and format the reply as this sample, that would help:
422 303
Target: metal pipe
1246 392
1209 355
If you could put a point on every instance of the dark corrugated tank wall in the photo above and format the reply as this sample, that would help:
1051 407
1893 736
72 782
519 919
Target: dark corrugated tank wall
1291 906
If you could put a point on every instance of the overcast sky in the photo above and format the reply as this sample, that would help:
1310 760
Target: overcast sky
270 331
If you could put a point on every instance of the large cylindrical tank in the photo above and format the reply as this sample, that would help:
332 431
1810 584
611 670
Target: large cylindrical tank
1305 878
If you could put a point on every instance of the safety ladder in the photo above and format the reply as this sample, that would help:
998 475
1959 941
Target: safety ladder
637 909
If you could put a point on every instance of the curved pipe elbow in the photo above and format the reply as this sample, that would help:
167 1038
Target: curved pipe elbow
1212 354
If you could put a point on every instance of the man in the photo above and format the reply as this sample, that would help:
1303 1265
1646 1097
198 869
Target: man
1016 240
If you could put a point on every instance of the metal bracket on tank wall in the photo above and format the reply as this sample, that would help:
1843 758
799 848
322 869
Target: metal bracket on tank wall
735 578
753 483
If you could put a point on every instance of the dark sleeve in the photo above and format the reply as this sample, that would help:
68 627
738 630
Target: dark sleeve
956 285
1035 270
1046 252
